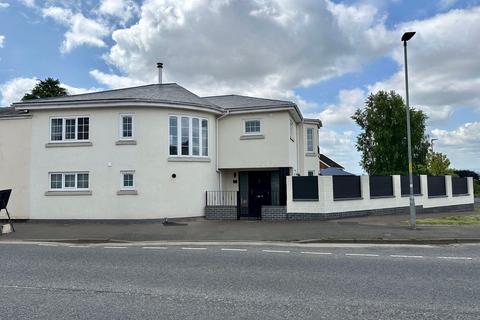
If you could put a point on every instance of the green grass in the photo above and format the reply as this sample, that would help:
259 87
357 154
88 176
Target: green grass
453 220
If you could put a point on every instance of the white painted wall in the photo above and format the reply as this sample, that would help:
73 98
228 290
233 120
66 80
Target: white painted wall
15 137
159 195
273 151
327 204
310 159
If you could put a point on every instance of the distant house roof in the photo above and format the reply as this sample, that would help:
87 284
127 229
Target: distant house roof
313 121
329 162
10 112
335 172
168 93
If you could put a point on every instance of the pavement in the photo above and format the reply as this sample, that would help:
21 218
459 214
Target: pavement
391 228
297 281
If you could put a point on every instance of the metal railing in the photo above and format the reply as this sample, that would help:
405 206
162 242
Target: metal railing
221 198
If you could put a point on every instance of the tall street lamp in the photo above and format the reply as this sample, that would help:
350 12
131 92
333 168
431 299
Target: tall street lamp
413 219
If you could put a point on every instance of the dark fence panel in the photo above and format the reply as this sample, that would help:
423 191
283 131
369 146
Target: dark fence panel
436 186
305 188
459 185
405 185
221 198
381 186
345 187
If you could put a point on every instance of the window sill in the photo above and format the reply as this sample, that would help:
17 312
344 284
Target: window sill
439 196
347 199
127 192
415 195
308 200
461 195
310 154
69 193
382 197
125 142
252 136
188 159
68 144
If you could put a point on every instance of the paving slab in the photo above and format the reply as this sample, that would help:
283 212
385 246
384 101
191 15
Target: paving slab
362 229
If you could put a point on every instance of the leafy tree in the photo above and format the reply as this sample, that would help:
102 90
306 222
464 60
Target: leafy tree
46 89
467 173
438 164
383 140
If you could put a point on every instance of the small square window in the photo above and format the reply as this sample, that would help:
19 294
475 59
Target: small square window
128 180
56 181
82 181
252 126
311 173
69 180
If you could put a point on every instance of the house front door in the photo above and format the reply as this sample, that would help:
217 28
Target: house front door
259 192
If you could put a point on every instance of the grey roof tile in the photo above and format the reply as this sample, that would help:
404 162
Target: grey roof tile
10 112
166 93
234 101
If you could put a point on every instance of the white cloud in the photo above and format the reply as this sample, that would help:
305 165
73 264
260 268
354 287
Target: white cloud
114 81
4 5
264 48
348 102
14 89
81 30
340 146
2 41
461 145
445 4
121 9
28 3
444 71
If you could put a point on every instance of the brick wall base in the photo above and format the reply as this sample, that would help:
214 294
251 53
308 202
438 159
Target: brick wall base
279 213
221 213
388 211
274 213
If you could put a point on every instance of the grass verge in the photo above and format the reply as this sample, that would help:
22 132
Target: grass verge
452 220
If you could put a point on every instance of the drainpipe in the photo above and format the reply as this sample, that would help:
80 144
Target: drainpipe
227 112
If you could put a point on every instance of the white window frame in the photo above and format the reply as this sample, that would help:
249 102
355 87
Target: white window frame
64 188
122 174
313 140
120 126
252 133
64 129
190 136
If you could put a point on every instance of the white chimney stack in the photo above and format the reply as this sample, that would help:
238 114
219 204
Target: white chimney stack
160 69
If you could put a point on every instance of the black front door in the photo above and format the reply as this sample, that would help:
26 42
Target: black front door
259 192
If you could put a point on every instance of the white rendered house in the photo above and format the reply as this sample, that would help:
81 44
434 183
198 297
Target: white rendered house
150 152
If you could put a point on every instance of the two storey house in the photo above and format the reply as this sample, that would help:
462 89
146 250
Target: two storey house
150 152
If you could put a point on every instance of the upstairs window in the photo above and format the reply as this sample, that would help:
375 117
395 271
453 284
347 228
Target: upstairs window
126 126
188 136
252 127
69 129
309 139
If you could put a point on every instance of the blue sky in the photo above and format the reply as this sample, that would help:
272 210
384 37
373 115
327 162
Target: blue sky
325 55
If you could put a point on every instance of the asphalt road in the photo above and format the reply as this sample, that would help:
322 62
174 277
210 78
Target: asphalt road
238 281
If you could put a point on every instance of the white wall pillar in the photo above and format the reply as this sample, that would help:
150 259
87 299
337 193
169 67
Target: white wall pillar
365 185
